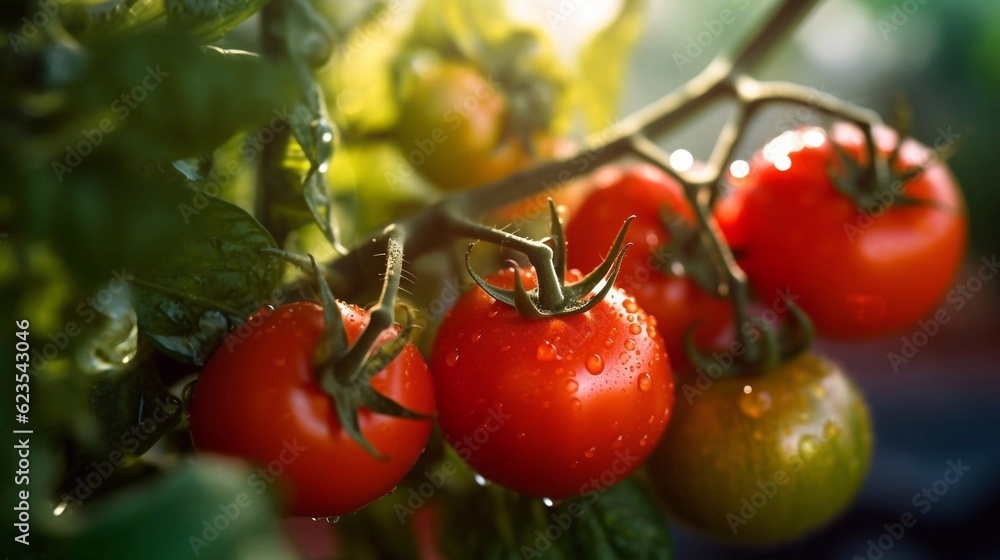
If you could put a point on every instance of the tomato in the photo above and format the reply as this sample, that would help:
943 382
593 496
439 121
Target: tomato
859 273
258 399
766 458
453 128
551 407
676 302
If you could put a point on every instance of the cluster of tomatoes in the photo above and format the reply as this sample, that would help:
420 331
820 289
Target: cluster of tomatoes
562 406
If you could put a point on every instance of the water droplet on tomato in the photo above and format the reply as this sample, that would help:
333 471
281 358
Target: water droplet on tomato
549 502
474 337
830 429
595 364
630 344
575 404
494 309
652 418
643 441
630 318
333 519
521 435
546 351
624 357
451 357
609 342
617 443
286 314
651 330
645 382
754 403
634 328
590 453
808 447
572 386
481 480
630 305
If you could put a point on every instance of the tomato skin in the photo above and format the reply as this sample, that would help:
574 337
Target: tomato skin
519 402
452 128
676 302
858 275
260 401
804 447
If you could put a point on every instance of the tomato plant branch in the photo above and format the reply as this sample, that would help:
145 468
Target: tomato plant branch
724 77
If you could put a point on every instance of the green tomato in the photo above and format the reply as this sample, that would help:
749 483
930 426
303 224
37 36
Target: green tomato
766 458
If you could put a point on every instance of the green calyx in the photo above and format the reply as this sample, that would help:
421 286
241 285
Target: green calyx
761 349
554 297
345 371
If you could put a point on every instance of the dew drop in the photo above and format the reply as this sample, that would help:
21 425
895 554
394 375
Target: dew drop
590 453
651 330
286 314
616 443
481 480
634 328
808 446
754 403
630 344
609 342
595 364
572 386
474 337
494 309
652 418
451 357
575 404
546 351
548 502
333 519
624 357
643 441
630 305
521 435
645 382
830 429
631 318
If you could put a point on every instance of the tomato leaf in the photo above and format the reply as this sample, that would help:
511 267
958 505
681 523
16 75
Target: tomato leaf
622 524
208 273
603 61
210 510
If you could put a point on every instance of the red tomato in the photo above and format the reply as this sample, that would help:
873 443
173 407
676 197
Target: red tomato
675 301
859 273
259 399
552 407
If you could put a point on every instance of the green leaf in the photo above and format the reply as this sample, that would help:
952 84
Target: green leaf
205 20
160 96
603 62
208 20
616 523
207 273
211 510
